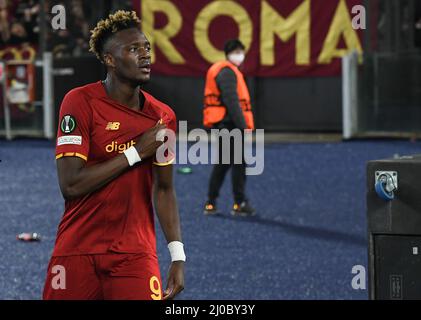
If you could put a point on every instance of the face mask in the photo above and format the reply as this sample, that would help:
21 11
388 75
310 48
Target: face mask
236 58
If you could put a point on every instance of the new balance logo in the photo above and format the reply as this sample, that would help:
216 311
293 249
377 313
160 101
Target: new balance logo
113 126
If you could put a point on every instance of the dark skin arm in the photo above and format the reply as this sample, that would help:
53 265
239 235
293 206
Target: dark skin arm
165 203
77 180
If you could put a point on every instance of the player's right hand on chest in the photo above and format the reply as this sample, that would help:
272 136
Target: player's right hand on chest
147 144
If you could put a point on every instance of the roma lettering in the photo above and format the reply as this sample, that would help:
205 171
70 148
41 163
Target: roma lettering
273 25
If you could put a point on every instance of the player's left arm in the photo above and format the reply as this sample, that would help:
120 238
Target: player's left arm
166 209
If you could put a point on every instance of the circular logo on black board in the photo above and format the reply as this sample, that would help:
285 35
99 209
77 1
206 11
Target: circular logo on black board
68 124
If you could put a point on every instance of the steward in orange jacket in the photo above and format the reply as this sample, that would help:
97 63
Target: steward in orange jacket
227 97
227 105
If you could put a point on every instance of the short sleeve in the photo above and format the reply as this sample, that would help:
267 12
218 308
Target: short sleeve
171 122
168 156
73 133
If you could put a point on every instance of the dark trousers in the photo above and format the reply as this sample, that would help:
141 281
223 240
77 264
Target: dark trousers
238 175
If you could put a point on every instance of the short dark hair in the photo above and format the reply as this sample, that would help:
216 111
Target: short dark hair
232 45
115 22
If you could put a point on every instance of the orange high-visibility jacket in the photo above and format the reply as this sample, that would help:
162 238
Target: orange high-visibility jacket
214 111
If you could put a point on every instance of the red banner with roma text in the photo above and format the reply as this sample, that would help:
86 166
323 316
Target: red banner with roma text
283 38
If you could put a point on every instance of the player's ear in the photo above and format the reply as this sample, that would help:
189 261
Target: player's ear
108 60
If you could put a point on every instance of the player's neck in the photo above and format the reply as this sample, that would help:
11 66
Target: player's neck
122 92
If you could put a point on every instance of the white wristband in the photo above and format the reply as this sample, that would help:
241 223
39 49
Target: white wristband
132 155
176 251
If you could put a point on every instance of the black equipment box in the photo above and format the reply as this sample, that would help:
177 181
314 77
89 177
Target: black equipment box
394 228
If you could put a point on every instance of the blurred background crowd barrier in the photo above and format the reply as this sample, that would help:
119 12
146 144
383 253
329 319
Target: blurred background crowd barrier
294 68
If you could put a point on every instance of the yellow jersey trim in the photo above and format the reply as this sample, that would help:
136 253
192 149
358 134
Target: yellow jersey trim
163 164
71 154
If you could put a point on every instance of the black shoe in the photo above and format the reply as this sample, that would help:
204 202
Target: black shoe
244 209
210 209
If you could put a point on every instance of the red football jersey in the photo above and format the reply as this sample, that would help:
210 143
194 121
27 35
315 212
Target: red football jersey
119 216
